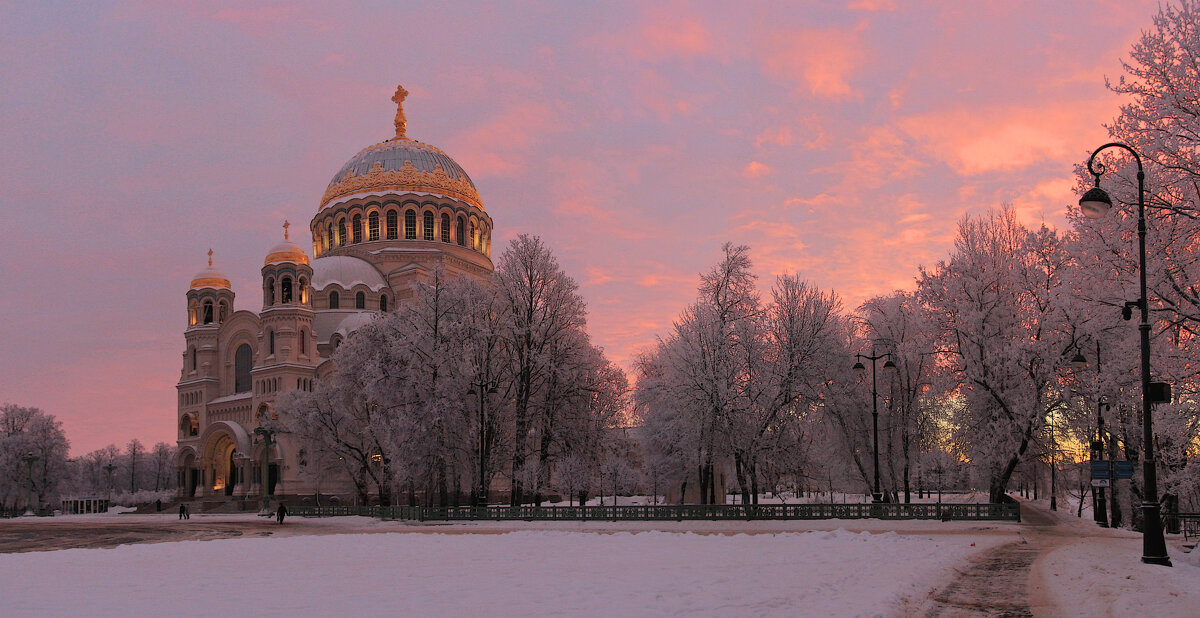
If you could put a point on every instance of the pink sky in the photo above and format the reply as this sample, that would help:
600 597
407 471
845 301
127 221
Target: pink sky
839 140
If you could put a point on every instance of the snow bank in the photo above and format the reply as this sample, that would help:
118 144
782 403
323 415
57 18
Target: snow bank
1106 577
530 572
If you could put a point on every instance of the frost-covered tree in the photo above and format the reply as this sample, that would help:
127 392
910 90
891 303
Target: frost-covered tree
544 316
995 305
30 431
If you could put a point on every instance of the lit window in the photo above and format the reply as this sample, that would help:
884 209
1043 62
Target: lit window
357 227
341 232
410 225
373 226
428 223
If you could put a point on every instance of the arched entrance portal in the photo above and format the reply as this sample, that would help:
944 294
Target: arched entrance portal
224 477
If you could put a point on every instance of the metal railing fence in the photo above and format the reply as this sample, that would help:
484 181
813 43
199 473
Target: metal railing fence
944 512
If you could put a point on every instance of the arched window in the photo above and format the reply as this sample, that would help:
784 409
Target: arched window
474 237
357 227
445 227
193 353
428 223
286 289
269 292
341 232
460 233
410 225
303 336
192 317
391 225
223 314
383 302
335 341
373 226
243 361
334 301
303 290
329 237
208 312
360 301
271 342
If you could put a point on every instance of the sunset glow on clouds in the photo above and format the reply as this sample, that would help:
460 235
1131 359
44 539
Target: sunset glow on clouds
842 141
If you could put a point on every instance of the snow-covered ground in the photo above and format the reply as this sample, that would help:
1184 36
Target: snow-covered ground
517 573
356 565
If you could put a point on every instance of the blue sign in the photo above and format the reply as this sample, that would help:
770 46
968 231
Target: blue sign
1124 470
1100 469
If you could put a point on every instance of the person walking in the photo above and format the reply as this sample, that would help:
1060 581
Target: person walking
182 510
280 513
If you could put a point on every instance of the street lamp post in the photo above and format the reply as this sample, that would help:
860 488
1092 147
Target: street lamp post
1099 506
1095 204
108 469
483 389
877 494
29 458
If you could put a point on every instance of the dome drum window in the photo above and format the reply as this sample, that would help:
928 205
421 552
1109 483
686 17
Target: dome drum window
373 226
391 225
357 228
427 225
445 227
410 225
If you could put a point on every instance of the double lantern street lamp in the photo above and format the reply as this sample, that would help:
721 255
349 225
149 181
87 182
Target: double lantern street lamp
483 389
29 458
860 369
1095 204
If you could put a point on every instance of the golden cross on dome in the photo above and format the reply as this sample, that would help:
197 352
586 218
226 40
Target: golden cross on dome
401 121
210 258
285 227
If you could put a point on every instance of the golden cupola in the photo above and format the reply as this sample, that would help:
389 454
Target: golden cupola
210 277
286 252
401 164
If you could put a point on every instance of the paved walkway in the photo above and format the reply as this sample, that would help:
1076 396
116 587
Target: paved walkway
1002 581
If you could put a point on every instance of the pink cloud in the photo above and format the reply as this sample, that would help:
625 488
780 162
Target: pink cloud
754 169
975 140
820 63
777 136
499 145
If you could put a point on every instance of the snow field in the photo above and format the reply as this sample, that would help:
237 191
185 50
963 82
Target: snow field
518 573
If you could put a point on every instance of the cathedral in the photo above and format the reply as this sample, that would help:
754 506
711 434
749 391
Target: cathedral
390 215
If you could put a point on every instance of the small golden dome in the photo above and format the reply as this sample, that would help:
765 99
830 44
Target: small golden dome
286 251
210 277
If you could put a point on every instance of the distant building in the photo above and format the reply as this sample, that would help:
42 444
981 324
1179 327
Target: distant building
391 214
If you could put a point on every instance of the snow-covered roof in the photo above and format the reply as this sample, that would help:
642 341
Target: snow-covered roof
328 323
234 397
345 271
